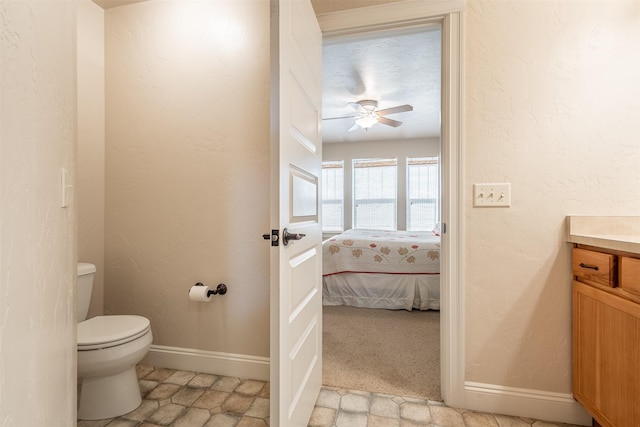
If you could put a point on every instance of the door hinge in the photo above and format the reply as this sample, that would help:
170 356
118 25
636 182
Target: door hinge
274 237
444 227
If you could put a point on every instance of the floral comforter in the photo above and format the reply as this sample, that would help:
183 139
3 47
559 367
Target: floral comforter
372 251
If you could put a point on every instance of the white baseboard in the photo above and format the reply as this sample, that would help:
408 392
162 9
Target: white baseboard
541 405
209 362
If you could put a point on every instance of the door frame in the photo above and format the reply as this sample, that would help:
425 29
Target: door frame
411 13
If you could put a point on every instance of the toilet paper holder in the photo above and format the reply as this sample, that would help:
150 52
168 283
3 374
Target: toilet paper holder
221 289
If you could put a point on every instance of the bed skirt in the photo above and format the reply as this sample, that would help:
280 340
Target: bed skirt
379 290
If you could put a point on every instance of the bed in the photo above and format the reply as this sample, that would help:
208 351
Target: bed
382 269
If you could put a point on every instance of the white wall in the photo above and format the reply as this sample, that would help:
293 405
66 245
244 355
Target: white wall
400 150
552 106
91 145
187 170
38 236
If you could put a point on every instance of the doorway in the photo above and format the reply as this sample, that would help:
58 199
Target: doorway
381 331
448 14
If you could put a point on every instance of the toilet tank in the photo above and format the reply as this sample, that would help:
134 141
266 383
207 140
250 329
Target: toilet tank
86 272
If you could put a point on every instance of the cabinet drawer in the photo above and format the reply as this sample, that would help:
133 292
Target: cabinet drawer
630 274
591 266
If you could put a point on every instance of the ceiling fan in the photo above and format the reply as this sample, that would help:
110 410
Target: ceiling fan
367 114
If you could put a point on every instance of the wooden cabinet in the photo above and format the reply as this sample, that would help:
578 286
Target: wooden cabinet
606 336
595 267
630 275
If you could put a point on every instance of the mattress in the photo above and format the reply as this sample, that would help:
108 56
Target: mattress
382 269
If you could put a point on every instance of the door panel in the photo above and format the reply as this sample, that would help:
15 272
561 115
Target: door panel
303 266
296 304
303 361
303 117
304 196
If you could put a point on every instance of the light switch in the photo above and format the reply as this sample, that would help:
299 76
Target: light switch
492 195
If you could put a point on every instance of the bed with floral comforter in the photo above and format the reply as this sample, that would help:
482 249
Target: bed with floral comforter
382 269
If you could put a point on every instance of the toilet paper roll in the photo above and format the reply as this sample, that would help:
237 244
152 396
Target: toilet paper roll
199 293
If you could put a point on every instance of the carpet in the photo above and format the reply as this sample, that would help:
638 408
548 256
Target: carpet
383 351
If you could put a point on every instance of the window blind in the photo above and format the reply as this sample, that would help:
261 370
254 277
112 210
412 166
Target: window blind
333 196
423 190
375 194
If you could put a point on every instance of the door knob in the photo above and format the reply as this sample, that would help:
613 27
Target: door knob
287 237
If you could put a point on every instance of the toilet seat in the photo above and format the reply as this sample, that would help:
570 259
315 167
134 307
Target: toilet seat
110 331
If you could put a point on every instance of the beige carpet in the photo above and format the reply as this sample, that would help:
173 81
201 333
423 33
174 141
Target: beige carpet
383 351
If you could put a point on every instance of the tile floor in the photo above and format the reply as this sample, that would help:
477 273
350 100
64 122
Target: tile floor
188 399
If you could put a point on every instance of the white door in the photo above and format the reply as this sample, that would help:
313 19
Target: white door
296 267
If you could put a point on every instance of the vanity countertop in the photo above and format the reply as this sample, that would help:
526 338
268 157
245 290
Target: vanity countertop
620 233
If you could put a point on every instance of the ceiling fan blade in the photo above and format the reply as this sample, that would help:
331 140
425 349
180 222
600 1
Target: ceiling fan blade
343 117
353 127
394 110
389 122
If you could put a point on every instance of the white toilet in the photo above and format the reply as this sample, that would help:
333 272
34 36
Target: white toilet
109 347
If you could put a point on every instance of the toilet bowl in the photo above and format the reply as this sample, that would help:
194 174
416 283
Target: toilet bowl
109 347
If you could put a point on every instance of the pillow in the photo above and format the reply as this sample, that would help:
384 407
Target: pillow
436 229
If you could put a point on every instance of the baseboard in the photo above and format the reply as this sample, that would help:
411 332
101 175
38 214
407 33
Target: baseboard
541 405
209 362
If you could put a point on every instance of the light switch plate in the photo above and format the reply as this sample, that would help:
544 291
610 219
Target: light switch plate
492 195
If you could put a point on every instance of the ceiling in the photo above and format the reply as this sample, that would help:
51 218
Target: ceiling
393 68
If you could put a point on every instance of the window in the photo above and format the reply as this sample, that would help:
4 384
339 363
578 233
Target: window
375 194
333 196
422 193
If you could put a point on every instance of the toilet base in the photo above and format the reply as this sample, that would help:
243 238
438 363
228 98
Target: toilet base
109 396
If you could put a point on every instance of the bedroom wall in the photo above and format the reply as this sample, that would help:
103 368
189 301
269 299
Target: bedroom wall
400 150
553 107
186 160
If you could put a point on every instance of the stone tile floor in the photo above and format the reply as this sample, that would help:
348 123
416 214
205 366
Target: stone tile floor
189 399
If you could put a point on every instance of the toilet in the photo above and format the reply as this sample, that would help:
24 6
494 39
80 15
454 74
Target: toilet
109 347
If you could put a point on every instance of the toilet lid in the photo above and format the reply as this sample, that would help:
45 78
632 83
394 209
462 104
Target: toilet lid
108 331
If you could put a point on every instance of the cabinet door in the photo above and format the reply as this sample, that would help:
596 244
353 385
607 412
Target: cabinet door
606 353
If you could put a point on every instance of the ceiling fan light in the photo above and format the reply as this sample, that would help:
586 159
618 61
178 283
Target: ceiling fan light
366 122
369 105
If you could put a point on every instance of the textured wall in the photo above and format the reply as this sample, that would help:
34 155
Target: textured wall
38 237
187 170
90 182
552 106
